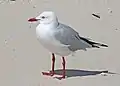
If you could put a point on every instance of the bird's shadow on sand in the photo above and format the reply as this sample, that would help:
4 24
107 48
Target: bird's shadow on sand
75 72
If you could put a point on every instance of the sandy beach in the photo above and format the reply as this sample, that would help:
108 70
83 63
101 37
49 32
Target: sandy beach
23 58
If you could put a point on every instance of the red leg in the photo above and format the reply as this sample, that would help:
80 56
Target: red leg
53 64
51 73
63 75
63 67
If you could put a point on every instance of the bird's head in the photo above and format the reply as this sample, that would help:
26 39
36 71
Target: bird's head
46 17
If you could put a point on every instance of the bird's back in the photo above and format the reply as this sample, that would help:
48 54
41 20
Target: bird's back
68 36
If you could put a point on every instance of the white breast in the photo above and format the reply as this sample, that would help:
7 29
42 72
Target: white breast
46 37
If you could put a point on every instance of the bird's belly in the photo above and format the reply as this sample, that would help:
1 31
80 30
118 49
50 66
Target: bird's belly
55 47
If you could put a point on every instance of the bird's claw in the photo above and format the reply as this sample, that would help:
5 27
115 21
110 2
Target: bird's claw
50 73
60 78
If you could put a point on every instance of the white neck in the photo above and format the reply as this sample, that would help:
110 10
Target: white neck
50 25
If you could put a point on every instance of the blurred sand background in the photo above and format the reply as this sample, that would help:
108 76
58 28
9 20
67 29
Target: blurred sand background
22 58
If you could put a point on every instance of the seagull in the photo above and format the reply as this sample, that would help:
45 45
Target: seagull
60 39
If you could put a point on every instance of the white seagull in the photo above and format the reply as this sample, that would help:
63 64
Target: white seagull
59 38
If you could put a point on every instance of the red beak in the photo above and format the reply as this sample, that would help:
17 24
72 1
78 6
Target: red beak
32 19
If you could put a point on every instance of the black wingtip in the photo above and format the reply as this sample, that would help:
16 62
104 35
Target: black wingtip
104 45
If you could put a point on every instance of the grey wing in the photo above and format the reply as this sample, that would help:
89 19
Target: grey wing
68 36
